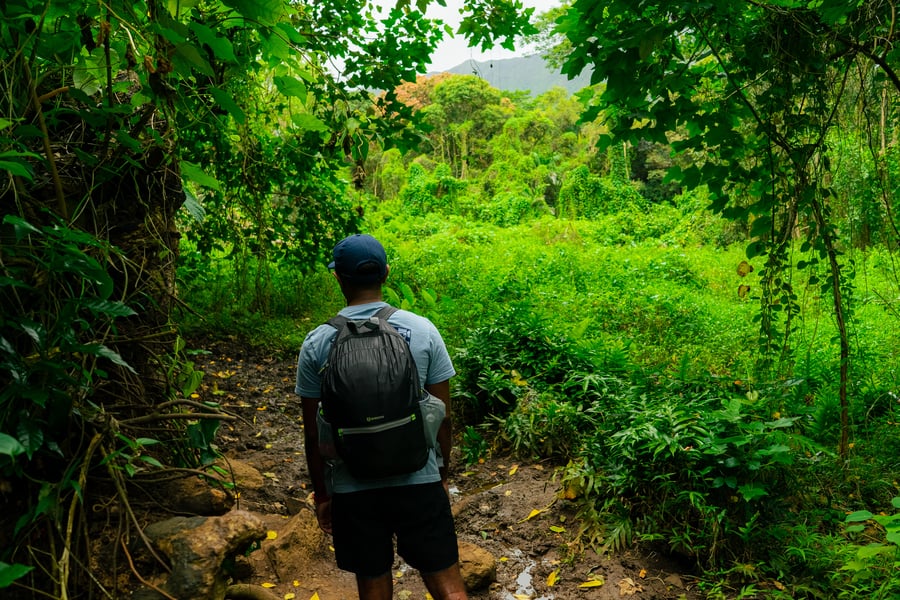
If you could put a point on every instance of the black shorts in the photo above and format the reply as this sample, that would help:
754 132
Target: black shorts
364 525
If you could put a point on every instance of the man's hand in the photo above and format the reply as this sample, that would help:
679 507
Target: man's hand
323 515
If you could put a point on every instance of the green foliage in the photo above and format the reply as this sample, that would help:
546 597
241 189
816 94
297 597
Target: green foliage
752 92
698 471
9 573
587 196
473 445
53 348
507 209
427 192
873 566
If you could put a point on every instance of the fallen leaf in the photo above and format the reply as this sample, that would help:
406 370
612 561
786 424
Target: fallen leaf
290 596
269 475
503 559
513 470
534 512
522 597
507 493
260 408
643 573
627 587
315 596
268 585
296 583
271 535
592 583
552 578
557 529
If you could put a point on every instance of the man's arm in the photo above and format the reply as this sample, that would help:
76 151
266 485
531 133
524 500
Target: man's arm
445 432
315 463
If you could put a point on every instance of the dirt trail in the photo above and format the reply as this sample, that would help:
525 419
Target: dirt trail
510 509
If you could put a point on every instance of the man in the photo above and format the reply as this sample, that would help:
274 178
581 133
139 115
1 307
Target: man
363 516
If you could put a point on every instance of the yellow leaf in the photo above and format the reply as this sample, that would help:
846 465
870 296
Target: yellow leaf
592 583
271 535
315 596
268 585
195 395
513 470
260 408
534 512
643 573
503 559
557 529
296 583
290 596
507 493
268 446
522 597
552 578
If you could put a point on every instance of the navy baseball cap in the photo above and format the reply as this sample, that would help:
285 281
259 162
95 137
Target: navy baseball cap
360 258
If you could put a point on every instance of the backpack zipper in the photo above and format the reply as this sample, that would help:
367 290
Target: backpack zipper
377 428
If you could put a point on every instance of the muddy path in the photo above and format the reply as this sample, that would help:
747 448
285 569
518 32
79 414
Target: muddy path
508 508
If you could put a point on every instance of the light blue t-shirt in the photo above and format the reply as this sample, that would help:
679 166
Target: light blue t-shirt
432 362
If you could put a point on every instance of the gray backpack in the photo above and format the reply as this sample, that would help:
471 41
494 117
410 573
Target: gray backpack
371 397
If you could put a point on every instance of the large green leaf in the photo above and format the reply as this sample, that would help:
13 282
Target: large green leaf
193 172
265 12
10 446
290 86
9 573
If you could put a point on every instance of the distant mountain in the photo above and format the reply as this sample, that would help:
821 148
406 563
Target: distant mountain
530 73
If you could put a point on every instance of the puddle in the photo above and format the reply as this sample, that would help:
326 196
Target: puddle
524 587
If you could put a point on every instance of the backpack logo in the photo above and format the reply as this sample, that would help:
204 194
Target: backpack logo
371 395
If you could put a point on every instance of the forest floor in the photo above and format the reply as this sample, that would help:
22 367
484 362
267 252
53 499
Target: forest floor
511 509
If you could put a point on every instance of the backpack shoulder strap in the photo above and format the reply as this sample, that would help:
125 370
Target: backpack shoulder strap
337 321
385 313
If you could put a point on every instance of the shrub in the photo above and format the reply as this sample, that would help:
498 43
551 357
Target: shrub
698 472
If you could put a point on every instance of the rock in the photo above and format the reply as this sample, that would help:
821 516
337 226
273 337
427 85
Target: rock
195 496
244 476
299 542
197 547
478 566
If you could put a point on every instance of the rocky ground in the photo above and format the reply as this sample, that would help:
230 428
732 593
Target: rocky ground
508 513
